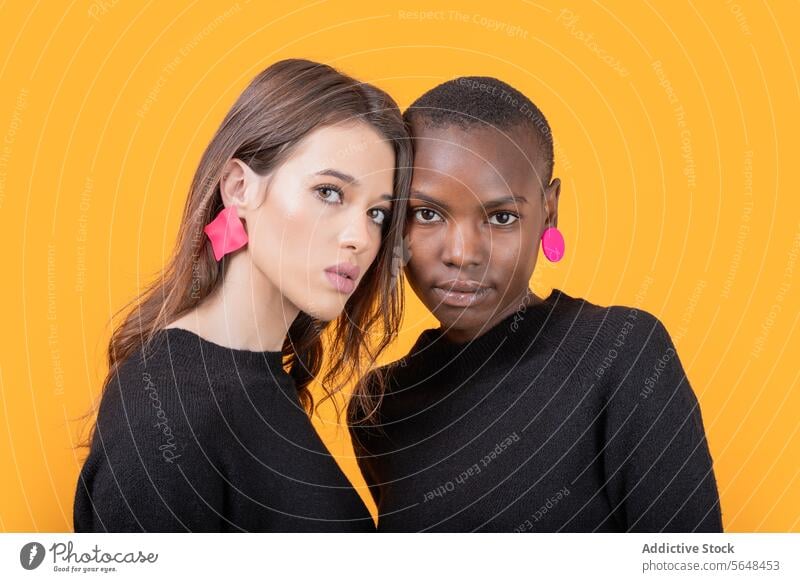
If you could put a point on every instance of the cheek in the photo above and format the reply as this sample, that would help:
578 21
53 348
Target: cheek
514 260
300 231
286 225
280 241
424 248
375 247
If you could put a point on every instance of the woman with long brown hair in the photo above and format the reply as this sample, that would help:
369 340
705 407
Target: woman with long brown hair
291 229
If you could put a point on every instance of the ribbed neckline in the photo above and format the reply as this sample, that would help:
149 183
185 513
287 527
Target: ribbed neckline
506 341
179 339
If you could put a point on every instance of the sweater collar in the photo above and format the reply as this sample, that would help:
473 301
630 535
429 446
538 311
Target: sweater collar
183 343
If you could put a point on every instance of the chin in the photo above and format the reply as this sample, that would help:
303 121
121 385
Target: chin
327 310
454 317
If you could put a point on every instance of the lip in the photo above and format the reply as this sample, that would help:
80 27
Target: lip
343 277
461 292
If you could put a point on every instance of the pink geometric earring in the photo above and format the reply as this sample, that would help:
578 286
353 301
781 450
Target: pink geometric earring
552 244
226 232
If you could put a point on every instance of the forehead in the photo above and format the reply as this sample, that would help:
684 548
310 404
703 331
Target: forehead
476 158
355 147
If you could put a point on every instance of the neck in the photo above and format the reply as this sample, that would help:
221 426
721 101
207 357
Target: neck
246 312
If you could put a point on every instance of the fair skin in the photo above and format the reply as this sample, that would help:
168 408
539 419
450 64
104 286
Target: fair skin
325 205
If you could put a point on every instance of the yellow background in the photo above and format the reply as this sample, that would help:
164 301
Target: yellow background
677 135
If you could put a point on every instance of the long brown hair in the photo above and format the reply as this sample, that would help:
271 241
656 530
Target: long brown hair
281 105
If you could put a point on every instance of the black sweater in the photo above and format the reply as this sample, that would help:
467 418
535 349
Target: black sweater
200 437
566 416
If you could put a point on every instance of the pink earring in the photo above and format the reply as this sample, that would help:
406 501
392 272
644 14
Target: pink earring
226 232
553 244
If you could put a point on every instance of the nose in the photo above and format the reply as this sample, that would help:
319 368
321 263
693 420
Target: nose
354 234
463 247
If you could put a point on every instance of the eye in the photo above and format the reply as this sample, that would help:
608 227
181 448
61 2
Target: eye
329 194
427 216
380 215
503 218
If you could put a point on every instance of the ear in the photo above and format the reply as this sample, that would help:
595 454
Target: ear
238 185
551 194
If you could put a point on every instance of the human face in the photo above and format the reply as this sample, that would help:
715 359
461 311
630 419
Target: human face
321 221
477 210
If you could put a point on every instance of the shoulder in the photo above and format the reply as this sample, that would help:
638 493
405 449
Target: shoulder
616 341
152 395
588 332
635 332
638 361
620 324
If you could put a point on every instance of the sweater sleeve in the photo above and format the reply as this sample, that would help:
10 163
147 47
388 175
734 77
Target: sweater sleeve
659 472
150 468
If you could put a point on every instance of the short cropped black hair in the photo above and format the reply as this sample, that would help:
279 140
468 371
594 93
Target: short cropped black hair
474 101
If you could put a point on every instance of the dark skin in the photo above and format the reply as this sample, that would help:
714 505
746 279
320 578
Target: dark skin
477 211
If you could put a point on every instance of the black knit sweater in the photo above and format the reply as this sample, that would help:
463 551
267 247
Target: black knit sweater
199 437
566 416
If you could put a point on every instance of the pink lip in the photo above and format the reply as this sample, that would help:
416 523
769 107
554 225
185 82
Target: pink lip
343 277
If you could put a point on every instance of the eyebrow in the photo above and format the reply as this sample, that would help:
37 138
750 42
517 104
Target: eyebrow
505 200
337 174
488 205
429 199
348 179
